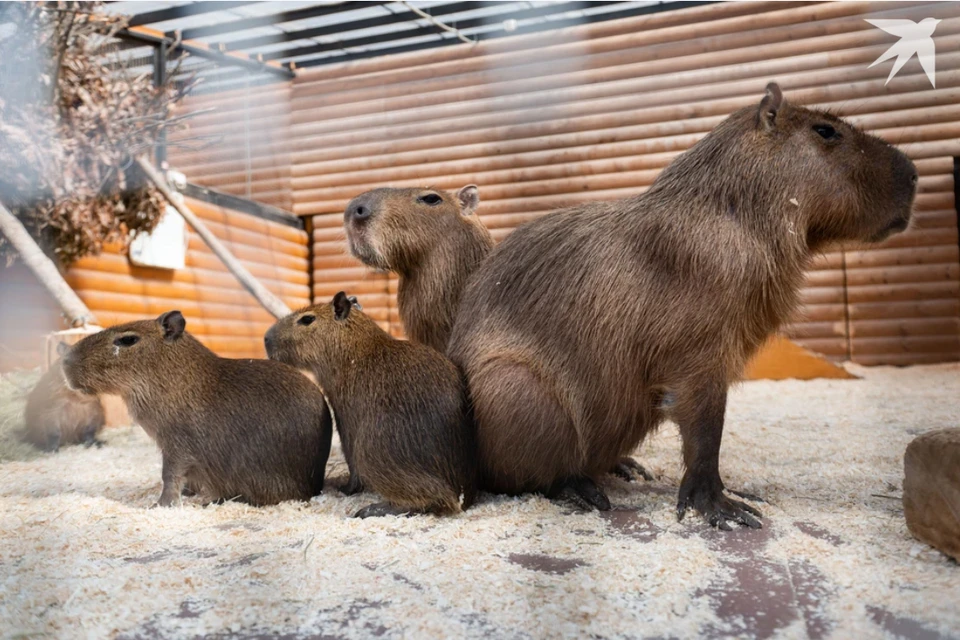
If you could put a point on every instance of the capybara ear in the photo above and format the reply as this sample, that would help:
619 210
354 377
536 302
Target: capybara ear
770 105
341 306
62 348
469 197
172 325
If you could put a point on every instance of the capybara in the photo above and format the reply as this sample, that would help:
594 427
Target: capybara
400 406
432 240
57 416
585 329
253 430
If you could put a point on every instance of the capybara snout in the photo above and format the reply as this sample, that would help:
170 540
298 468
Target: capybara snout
432 239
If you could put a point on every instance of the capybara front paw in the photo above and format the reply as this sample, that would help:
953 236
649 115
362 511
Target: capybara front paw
629 469
167 499
706 496
580 491
352 487
379 509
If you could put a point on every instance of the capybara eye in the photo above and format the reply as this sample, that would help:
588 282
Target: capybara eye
306 320
431 199
126 341
826 131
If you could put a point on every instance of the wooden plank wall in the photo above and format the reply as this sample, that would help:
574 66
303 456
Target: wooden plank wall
595 112
243 140
27 314
219 311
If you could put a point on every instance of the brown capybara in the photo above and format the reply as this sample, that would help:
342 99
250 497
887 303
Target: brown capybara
252 430
587 328
432 240
56 416
400 407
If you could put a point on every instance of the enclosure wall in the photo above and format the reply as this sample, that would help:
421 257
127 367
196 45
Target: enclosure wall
237 142
219 311
595 112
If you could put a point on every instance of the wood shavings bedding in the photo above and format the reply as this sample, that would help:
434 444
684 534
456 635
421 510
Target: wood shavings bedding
81 555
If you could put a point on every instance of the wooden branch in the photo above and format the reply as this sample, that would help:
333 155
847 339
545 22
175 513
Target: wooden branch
74 309
270 302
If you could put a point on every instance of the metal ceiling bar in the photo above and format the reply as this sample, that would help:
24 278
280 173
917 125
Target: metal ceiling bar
440 25
533 12
541 26
203 52
343 27
274 19
160 79
181 11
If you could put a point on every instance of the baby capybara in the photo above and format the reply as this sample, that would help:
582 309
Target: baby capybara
587 328
432 240
253 430
400 407
57 416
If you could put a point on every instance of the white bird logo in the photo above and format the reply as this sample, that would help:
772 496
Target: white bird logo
915 38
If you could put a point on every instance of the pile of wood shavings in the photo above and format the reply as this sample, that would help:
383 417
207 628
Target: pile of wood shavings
80 552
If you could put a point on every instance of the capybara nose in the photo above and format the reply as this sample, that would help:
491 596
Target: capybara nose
358 210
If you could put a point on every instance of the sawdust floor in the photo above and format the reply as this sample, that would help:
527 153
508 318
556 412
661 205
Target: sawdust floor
82 556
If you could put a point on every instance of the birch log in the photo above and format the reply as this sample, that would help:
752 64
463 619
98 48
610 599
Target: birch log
264 296
74 309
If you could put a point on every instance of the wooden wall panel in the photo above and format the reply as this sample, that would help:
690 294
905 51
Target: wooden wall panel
595 112
238 142
27 314
219 311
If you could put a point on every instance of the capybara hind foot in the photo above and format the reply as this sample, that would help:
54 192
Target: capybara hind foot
581 492
379 509
629 469
94 442
706 496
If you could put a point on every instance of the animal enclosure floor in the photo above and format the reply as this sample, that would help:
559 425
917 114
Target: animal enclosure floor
81 555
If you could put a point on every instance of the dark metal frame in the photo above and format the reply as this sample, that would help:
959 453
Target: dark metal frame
269 20
172 44
416 32
237 203
181 11
215 52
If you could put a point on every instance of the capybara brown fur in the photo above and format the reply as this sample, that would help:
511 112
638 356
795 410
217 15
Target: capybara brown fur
400 407
253 430
432 240
587 328
57 416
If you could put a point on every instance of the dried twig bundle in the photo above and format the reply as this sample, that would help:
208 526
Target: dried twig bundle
72 119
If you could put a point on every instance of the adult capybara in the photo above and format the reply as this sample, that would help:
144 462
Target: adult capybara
432 240
57 416
400 406
253 430
585 329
